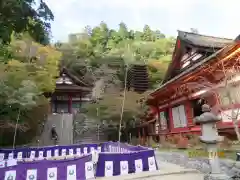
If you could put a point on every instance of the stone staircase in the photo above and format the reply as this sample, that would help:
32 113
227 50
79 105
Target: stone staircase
87 130
64 128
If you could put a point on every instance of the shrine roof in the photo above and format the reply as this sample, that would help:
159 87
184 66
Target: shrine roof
75 79
217 55
203 40
193 40
68 82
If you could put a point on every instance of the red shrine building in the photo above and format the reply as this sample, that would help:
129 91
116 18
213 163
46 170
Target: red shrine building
70 93
197 61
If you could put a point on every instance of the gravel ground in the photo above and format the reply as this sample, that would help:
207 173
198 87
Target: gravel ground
175 177
228 167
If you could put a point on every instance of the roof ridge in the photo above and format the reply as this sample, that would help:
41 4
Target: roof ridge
65 70
179 31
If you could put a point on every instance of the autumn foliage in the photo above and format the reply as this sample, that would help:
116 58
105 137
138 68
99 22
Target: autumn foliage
31 71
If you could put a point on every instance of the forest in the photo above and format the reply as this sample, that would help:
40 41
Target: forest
99 55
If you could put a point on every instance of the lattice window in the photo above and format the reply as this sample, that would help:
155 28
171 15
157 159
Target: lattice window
179 116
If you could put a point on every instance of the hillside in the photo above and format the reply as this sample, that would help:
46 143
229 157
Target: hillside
102 56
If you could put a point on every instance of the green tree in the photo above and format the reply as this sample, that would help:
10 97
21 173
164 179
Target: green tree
23 16
105 51
31 72
99 37
123 31
147 34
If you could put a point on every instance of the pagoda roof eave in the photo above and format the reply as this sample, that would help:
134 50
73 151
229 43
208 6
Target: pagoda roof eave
190 69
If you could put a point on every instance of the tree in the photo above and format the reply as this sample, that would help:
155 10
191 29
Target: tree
227 90
24 79
123 31
147 34
103 55
21 16
109 107
108 46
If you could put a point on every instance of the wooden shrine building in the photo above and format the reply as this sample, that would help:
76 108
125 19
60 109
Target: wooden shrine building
199 65
69 94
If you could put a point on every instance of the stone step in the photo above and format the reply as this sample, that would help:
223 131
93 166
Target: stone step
86 130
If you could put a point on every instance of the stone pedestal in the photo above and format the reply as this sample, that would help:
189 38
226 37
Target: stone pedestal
213 158
210 137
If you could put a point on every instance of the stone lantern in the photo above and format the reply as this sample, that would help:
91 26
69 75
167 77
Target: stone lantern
210 137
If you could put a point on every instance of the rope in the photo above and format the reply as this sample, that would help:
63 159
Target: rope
123 104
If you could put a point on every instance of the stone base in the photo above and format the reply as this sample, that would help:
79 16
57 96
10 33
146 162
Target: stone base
217 177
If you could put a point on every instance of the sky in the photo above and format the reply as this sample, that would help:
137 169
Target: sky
210 17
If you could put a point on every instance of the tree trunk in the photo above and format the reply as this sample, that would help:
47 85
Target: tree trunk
234 116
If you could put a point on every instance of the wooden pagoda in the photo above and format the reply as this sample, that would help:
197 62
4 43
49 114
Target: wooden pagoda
137 78
69 94
197 60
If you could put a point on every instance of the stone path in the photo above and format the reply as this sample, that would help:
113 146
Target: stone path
158 175
168 171
228 167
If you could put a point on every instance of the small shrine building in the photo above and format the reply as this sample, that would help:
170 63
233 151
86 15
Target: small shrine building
70 93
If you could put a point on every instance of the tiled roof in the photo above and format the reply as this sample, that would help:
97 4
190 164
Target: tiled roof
77 80
203 40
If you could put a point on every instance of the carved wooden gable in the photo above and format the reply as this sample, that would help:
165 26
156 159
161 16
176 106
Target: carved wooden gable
190 57
64 79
